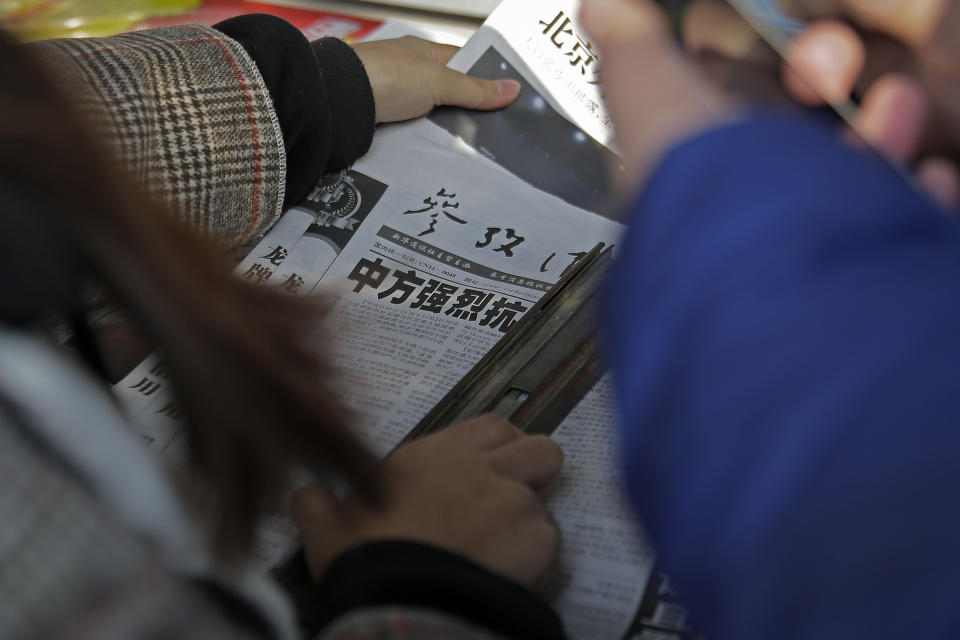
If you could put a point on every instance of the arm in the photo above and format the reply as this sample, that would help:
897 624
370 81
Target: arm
459 531
378 584
229 130
783 328
74 567
321 94
191 113
784 336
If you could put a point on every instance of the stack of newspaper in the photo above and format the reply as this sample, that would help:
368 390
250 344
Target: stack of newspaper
432 246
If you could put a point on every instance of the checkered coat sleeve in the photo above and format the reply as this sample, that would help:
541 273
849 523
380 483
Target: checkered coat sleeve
69 568
188 114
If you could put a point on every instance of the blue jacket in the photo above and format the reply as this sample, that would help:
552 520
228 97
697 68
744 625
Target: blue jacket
784 325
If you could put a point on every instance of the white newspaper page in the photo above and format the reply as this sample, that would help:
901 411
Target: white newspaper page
543 40
447 252
557 136
435 274
432 246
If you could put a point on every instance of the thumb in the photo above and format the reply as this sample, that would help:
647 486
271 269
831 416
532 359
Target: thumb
656 98
312 507
616 21
318 516
824 63
460 90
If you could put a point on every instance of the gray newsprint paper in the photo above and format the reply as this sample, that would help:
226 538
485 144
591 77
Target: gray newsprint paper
431 247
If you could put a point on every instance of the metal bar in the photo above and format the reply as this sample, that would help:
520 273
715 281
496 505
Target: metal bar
541 368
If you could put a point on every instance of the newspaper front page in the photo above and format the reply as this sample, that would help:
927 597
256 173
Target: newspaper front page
432 246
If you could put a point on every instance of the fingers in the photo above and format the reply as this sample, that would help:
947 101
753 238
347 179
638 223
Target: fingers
893 118
460 90
531 460
655 96
318 518
893 115
311 504
437 52
617 21
408 78
941 179
824 63
484 433
627 33
912 21
441 53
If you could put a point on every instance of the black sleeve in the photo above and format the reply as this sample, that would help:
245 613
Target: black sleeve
398 572
320 92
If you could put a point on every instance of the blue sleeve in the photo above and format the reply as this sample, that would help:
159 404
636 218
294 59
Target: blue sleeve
784 327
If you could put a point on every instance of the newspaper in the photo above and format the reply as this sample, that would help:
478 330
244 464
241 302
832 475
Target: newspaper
432 246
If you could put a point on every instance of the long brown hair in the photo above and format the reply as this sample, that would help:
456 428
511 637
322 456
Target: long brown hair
253 395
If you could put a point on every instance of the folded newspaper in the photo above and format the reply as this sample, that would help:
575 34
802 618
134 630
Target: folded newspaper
433 245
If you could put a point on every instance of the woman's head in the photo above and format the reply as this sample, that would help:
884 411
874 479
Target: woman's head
252 394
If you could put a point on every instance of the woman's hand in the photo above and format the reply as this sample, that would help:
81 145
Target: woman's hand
903 58
409 78
900 57
471 489
656 96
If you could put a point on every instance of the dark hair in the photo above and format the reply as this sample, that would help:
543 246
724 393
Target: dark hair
254 396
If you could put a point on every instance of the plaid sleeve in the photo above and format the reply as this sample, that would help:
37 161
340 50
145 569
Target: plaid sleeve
69 568
187 113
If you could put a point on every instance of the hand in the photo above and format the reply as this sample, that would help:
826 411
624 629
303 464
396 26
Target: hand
470 489
409 77
655 95
903 58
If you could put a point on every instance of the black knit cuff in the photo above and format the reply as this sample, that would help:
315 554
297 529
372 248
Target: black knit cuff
397 572
352 110
320 93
